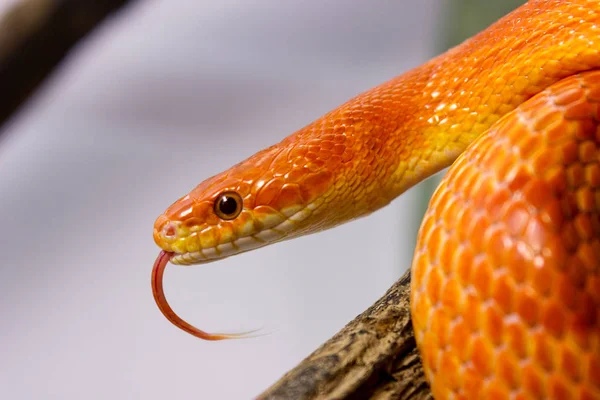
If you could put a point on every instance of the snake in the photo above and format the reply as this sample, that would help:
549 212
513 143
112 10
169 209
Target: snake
505 278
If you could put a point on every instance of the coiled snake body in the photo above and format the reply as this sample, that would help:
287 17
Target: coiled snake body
506 274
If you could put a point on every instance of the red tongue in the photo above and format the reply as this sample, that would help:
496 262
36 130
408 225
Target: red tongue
161 301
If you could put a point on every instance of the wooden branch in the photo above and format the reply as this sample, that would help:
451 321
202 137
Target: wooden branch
374 357
35 36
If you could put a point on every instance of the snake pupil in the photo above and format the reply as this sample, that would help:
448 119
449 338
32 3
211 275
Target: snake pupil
227 205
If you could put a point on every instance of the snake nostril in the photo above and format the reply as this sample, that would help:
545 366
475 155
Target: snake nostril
169 230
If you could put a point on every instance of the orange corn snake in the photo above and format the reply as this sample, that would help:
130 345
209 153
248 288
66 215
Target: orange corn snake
505 285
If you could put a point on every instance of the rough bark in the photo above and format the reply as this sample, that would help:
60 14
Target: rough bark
35 36
373 357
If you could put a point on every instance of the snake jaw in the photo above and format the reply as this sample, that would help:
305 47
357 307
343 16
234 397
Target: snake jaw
223 250
200 243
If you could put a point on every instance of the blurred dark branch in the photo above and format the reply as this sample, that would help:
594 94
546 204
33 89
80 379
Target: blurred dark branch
35 36
373 357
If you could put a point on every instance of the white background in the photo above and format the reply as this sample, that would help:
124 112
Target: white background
163 96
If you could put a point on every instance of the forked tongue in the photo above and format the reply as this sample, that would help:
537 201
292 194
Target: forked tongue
161 301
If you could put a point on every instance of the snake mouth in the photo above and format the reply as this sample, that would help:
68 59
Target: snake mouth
190 259
186 247
224 250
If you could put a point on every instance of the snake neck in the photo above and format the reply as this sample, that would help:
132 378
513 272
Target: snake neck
401 132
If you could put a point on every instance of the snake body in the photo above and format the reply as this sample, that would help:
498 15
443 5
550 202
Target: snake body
506 274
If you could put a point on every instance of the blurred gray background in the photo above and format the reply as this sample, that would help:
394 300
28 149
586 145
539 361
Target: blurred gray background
161 97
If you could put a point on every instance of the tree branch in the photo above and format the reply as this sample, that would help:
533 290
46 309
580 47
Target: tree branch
35 36
374 356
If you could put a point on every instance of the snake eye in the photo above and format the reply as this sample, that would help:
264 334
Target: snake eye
228 205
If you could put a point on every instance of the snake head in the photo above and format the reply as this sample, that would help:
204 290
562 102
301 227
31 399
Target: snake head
269 197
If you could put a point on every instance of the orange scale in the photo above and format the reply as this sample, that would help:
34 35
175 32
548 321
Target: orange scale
210 218
544 161
507 370
502 292
527 306
460 339
551 214
473 384
496 202
476 228
315 184
593 287
537 194
207 238
592 368
558 389
493 324
516 337
575 175
567 96
295 175
471 312
556 178
521 177
440 326
535 235
181 209
588 151
585 327
585 394
225 233
430 351
569 237
452 298
462 262
589 255
495 390
578 111
482 191
420 306
449 248
569 364
483 356
547 120
584 227
449 374
433 285
482 276
533 384
577 272
420 270
471 187
435 237
592 175
289 195
542 279
516 218
543 351
193 222
585 199
452 208
497 245
441 199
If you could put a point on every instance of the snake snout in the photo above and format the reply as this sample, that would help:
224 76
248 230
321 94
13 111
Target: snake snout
165 232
